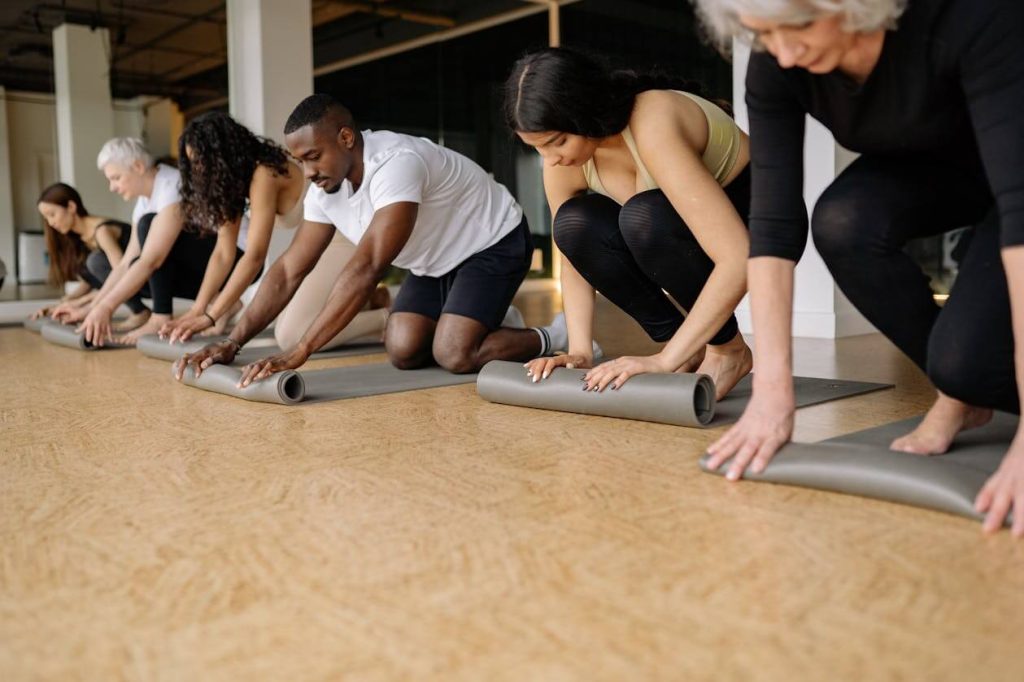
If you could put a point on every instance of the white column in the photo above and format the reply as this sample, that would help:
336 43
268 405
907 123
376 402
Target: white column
819 308
270 61
270 70
8 233
85 113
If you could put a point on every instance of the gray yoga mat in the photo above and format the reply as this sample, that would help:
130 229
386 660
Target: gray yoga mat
35 325
283 388
153 346
65 335
680 399
861 464
667 398
324 385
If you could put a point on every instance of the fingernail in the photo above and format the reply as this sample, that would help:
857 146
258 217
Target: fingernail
546 375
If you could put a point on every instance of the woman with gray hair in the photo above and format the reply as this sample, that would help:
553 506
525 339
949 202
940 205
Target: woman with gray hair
929 92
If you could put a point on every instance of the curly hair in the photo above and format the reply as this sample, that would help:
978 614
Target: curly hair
565 90
67 251
217 157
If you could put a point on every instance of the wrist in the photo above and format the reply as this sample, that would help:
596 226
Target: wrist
209 317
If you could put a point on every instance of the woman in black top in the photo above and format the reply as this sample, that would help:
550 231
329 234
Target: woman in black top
83 247
929 92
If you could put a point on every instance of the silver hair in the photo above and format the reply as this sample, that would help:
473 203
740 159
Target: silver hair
124 151
722 23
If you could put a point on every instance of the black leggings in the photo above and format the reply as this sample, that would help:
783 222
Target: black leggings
96 269
636 252
860 225
182 271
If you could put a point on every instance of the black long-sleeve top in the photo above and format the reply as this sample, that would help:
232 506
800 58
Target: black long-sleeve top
949 85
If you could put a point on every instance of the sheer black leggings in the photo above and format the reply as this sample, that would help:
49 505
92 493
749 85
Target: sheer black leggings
636 252
860 225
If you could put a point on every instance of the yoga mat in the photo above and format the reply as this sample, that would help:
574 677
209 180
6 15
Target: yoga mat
680 399
153 346
336 383
65 335
283 388
861 464
667 398
35 325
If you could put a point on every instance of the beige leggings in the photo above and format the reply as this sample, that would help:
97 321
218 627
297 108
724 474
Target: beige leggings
312 295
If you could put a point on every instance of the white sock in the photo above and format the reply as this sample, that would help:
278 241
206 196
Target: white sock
513 318
554 337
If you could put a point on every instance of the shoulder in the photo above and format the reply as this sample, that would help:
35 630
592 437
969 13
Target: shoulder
664 114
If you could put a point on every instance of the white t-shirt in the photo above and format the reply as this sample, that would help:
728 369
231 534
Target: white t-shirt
462 210
166 191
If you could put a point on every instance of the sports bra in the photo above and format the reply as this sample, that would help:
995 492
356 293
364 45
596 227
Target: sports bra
719 155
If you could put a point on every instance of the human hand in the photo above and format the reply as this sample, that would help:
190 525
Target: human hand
766 425
1004 491
617 372
183 328
67 313
96 325
264 367
541 368
220 353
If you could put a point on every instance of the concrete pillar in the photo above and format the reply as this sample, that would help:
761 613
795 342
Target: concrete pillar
85 113
8 232
270 70
270 61
819 308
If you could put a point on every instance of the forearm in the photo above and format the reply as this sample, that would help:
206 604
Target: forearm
273 295
241 277
578 304
712 309
771 304
350 293
135 277
217 269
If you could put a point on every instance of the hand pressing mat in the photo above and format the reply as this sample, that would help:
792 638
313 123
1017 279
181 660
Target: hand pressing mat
153 346
861 464
323 385
65 335
679 399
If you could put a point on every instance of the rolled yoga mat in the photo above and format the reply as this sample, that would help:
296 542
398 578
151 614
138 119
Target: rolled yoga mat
65 335
680 399
153 346
861 464
339 383
283 388
35 325
666 398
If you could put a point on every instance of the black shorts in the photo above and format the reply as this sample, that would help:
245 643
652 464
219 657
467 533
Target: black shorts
480 287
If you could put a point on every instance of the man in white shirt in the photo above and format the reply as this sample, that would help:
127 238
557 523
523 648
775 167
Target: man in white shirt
407 202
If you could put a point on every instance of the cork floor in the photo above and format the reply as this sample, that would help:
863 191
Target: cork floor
153 532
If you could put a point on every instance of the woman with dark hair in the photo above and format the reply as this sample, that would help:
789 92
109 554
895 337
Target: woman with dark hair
669 191
228 174
83 247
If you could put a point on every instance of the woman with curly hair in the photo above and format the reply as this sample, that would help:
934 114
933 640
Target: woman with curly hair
648 186
83 247
229 174
929 92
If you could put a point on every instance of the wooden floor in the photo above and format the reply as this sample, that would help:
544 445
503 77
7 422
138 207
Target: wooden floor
153 532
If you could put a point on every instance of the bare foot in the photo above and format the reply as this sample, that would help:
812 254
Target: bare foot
152 326
380 298
133 321
946 418
727 364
